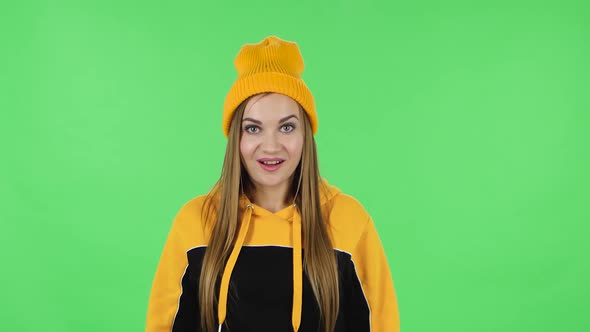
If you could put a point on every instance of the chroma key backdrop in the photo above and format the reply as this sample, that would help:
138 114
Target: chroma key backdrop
463 127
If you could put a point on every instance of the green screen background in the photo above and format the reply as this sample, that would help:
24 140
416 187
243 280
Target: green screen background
462 127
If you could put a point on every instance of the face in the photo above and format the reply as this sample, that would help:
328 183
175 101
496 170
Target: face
271 140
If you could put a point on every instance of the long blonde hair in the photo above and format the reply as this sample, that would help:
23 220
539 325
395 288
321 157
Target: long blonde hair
222 207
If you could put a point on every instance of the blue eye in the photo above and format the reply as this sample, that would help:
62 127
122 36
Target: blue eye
289 128
251 129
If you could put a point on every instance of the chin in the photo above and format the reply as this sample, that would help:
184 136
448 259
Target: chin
270 180
270 183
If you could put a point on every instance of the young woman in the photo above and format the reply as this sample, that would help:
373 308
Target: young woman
273 246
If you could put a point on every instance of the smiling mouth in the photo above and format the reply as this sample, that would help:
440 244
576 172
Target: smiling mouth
270 162
270 165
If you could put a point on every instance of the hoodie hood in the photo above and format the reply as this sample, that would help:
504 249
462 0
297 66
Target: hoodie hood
290 214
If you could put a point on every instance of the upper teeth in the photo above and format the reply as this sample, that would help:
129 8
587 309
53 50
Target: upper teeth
271 162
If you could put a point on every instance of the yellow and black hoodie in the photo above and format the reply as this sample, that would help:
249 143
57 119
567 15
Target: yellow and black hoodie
259 290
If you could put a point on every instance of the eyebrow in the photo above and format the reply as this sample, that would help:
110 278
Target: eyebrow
280 121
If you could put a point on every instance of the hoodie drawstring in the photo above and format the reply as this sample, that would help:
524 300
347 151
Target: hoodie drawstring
229 266
297 271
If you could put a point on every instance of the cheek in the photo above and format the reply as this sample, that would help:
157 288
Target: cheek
246 148
296 147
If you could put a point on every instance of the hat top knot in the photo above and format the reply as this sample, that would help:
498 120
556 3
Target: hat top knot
271 41
270 55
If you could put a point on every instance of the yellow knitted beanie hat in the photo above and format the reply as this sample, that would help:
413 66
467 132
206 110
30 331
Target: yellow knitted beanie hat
273 65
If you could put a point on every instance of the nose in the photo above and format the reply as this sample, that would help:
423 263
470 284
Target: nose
271 144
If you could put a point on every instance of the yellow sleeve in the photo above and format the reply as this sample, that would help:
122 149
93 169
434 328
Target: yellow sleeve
166 287
375 276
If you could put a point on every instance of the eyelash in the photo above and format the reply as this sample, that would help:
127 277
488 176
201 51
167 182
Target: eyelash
247 128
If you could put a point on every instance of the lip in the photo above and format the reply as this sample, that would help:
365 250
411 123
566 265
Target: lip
270 168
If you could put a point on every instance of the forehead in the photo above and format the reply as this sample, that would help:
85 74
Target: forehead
270 107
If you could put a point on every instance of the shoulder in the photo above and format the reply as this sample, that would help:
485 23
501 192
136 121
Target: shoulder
347 219
189 216
348 205
191 208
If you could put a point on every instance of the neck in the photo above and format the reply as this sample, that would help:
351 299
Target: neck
271 199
